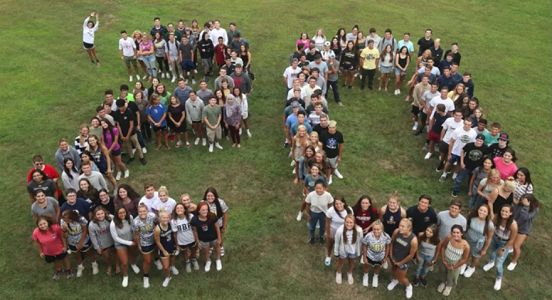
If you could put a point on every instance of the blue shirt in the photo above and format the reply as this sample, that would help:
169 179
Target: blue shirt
81 206
182 94
323 67
309 181
293 128
156 113
408 45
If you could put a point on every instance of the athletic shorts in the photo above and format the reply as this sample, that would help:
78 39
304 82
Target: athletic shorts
84 248
161 128
332 232
205 245
373 263
349 68
187 65
87 46
454 158
333 162
148 249
443 147
52 258
116 152
128 60
190 245
434 137
161 255
403 267
415 110
207 62
107 248
196 122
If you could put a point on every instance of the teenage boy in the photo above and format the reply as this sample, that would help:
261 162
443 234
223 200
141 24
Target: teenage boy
459 138
296 96
332 142
332 77
417 104
492 136
220 52
314 116
425 100
291 92
456 57
388 39
186 59
300 121
233 30
421 215
442 99
434 134
497 149
157 27
468 84
133 107
323 126
127 49
74 203
456 77
125 124
406 42
171 30
290 116
100 113
291 73
309 90
172 49
182 91
218 32
446 133
431 64
50 171
481 127
95 178
446 81
223 75
369 59
241 80
471 157
237 41
447 62
194 116
316 98
318 63
234 59
211 117
109 101
320 81
372 35
425 42
448 218
204 93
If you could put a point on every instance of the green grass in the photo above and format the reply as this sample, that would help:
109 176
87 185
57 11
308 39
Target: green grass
49 88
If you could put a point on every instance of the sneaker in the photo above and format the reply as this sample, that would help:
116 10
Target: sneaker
511 266
178 144
441 288
428 155
186 81
219 264
57 274
118 176
80 268
127 173
204 142
488 266
293 172
408 291
92 64
469 272
286 145
222 252
146 282
392 284
130 159
130 78
207 266
210 147
443 178
196 142
339 103
430 269
454 175
240 132
362 88
69 274
171 137
166 281
385 265
336 172
125 281
311 242
248 133
187 145
454 194
162 75
299 216
328 261
415 127
135 269
173 79
174 270
95 269
350 278
158 264
218 146
498 284
145 77
144 150
195 264
423 281
338 278
425 147
447 290
375 281
137 77
416 281
350 87
193 81
365 280
330 181
440 167
510 250
322 241
188 267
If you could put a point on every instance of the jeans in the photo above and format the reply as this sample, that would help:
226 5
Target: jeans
473 198
149 60
317 217
370 74
302 168
458 181
335 90
422 268
496 245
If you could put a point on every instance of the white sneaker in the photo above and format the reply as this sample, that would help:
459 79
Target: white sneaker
193 81
188 267
356 74
204 142
385 265
188 73
210 147
133 151
511 266
158 264
222 252
162 75
488 266
80 268
441 287
469 272
125 281
130 78
454 175
463 269
240 131
248 133
95 269
186 81
145 77
173 79
365 280
293 171
196 265
329 181
338 278
219 264
328 261
392 284
196 142
498 284
127 173
409 291
510 250
447 290
144 150
336 172
207 266
218 146
174 270
299 216
137 77
135 269
166 281
415 127
350 278
146 282
118 176
375 281
168 75
428 155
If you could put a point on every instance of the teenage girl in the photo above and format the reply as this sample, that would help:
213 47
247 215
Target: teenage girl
335 217
164 202
402 60
177 117
428 252
52 245
207 234
167 245
348 245
123 238
403 247
219 208
375 251
143 227
106 201
365 213
241 99
88 31
454 253
479 174
101 238
127 197
349 63
111 140
524 184
525 213
184 235
100 154
45 206
157 114
137 37
479 232
502 195
70 174
186 200
308 186
75 230
391 215
298 143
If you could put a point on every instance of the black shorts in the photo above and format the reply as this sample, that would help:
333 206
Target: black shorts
84 248
196 122
415 110
373 263
161 128
349 67
116 152
112 247
87 46
443 147
52 258
191 245
181 128
148 249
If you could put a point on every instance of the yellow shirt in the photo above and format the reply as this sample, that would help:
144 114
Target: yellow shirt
370 56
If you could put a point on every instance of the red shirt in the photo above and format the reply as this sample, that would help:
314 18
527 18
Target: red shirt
363 218
50 241
50 172
220 52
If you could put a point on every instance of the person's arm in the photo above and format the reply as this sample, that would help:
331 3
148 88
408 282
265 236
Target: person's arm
85 24
491 200
103 184
451 145
206 121
137 239
437 250
121 52
219 239
32 198
327 225
462 165
83 236
157 238
391 245
471 185
489 238
218 120
307 210
382 212
94 239
115 236
180 56
105 152
182 117
54 188
365 253
513 235
196 238
171 118
56 208
442 251
387 252
224 221
420 236
162 118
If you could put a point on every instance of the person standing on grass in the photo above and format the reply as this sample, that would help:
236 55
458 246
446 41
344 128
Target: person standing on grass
186 59
211 117
335 218
45 206
448 218
184 234
369 60
365 213
81 141
421 215
158 27
506 231
173 53
459 138
207 234
157 117
454 253
348 245
434 135
126 121
449 126
50 171
506 164
127 49
332 142
526 209
100 155
524 184
390 215
94 178
332 77
241 99
479 232
147 53
298 144
166 245
386 66
177 117
161 56
232 119
206 51
76 204
417 105
123 237
204 93
143 227
52 245
101 238
106 201
318 203
219 208
75 229
164 203
375 251
150 197
349 63
425 42
241 80
41 182
194 111
88 31
403 247
310 181
65 150
402 60
472 156
111 139
427 254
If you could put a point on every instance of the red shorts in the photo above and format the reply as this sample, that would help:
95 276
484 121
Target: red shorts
434 137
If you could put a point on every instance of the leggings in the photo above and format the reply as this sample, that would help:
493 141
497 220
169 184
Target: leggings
145 130
235 133
160 62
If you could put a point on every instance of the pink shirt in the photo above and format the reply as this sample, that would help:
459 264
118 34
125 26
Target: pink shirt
109 139
146 46
307 44
506 170
50 241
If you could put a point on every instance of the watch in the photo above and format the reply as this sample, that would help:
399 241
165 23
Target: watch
503 249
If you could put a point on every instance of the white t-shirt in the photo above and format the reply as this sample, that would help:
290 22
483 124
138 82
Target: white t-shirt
450 126
290 94
336 218
168 206
349 247
319 203
428 96
449 105
461 138
149 202
183 229
214 34
127 46
291 74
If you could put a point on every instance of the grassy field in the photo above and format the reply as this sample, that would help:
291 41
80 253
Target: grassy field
49 88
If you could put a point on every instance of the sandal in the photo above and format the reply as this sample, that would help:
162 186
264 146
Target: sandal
108 272
157 148
117 270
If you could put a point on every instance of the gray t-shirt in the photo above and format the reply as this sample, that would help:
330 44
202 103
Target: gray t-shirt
172 49
160 47
145 229
75 230
186 51
480 174
476 235
50 208
333 76
445 222
205 95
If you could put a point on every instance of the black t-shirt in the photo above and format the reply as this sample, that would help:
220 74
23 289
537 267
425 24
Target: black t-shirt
439 120
421 220
331 143
496 151
186 51
473 156
124 120
206 231
424 44
320 130
310 57
310 109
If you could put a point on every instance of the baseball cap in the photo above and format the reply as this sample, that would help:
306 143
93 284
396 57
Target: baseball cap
480 136
294 104
327 44
332 124
503 136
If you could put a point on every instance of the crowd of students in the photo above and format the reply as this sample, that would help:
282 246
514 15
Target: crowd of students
502 208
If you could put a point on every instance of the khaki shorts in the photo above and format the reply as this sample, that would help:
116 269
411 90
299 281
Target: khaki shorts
214 135
128 60
333 162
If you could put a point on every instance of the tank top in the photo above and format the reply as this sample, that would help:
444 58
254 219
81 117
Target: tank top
500 201
453 254
166 238
99 159
402 61
501 232
244 58
427 248
423 61
361 45
391 220
124 233
401 246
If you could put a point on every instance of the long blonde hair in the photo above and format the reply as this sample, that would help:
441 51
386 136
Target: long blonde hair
82 139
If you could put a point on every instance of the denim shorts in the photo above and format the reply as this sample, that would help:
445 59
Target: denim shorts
398 72
349 255
120 246
208 244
